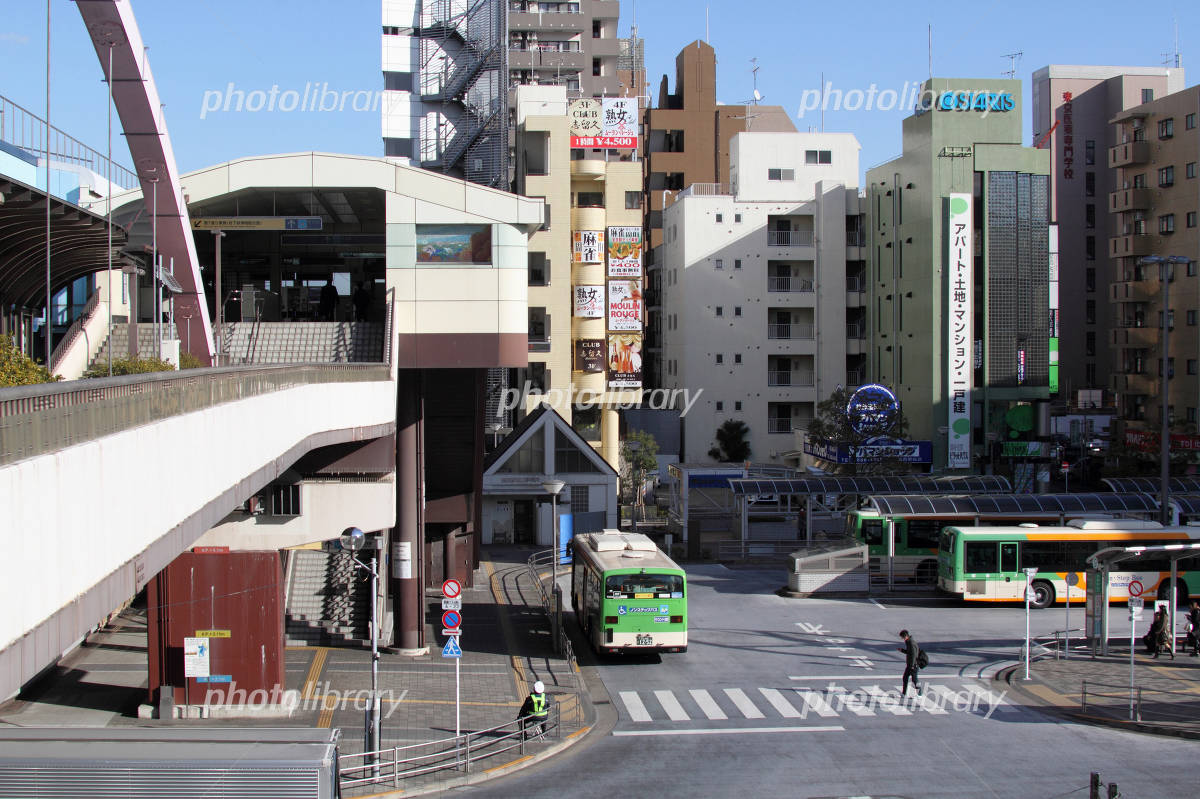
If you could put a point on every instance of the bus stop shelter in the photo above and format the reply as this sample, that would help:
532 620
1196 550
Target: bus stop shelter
1099 567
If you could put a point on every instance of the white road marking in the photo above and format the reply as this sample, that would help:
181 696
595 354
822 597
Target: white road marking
731 730
633 705
927 703
779 703
743 703
816 703
836 677
878 605
670 704
892 705
707 704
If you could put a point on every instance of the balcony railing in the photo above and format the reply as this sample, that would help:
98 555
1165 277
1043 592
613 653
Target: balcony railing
856 330
789 238
790 331
779 425
789 284
802 379
855 283
539 344
856 238
704 190
854 379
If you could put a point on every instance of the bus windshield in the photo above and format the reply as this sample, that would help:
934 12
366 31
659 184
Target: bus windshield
947 543
644 586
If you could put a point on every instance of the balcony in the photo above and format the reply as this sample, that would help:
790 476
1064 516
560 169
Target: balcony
539 344
1129 153
856 330
789 238
791 332
1129 200
537 57
589 168
855 378
797 379
779 425
1134 291
790 285
1133 245
856 238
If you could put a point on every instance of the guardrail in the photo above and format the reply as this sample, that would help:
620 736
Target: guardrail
745 550
456 753
535 565
1136 696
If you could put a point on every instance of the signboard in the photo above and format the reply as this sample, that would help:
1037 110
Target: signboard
454 244
976 101
624 306
402 560
257 223
210 550
871 451
586 246
216 678
611 123
589 302
452 604
624 252
1135 588
213 634
1148 441
872 409
959 329
451 619
451 589
589 355
195 657
625 360
1025 449
451 649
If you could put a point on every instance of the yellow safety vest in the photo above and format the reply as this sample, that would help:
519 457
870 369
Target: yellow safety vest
539 704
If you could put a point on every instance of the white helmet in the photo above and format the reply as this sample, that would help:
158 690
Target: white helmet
538 687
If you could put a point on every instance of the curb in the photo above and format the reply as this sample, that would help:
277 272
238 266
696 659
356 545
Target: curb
1078 715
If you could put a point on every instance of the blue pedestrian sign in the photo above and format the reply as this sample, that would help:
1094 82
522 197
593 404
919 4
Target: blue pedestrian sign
451 649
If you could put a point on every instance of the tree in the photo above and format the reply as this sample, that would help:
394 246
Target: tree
639 456
732 446
832 425
18 369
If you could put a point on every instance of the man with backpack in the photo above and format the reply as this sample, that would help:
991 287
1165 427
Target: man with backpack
915 659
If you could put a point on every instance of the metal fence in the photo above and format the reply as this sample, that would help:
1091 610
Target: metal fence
22 128
1142 703
751 550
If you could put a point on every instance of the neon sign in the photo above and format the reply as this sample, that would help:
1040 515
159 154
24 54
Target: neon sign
975 101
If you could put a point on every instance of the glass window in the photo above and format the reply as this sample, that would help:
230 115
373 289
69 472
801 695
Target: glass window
1166 176
1190 169
737 263
872 531
1166 128
633 199
720 358
720 217
1089 215
1089 184
1189 121
720 405
1090 312
1089 152
737 358
737 217
719 263
737 310
1166 223
1191 218
568 457
720 311
586 421
1090 278
579 499
1147 95
737 406
644 586
924 533
980 557
1008 557
528 459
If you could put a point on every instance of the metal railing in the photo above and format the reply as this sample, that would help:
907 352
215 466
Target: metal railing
779 425
456 753
789 238
704 190
43 418
790 331
1135 696
64 344
26 130
789 284
747 550
804 379
855 330
535 565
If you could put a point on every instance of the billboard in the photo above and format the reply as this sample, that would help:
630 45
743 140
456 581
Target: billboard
611 123
587 247
625 360
624 252
589 355
589 302
959 329
624 306
454 244
873 450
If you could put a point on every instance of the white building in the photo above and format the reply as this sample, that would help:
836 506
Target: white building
763 290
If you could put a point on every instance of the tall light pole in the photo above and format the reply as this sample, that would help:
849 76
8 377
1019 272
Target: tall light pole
353 539
1165 262
553 487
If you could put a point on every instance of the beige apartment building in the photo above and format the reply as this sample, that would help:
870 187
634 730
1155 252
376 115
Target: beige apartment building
573 272
1154 209
764 309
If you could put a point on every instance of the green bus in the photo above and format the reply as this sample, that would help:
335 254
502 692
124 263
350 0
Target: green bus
985 564
627 594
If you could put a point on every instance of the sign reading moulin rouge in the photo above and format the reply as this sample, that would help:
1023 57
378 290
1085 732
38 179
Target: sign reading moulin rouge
959 328
624 252
624 306
611 123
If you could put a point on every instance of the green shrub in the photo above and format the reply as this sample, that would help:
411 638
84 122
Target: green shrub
130 366
189 361
18 369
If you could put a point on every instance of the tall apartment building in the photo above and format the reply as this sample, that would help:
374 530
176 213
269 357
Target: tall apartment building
585 271
961 286
1154 212
449 67
762 283
1072 106
688 140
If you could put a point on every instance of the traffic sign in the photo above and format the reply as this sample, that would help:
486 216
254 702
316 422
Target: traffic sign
1135 588
451 649
452 604
195 657
1031 594
452 619
1072 578
1136 602
451 589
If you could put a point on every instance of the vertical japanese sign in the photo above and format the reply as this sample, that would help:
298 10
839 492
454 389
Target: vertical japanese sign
1053 309
959 330
589 302
624 360
1068 138
624 252
587 246
589 355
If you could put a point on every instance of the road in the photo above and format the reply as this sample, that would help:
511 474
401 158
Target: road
800 698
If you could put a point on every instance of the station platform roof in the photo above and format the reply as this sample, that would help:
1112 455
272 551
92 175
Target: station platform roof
988 504
892 484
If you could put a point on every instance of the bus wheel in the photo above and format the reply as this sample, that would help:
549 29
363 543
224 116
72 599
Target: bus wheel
927 572
1043 594
1181 591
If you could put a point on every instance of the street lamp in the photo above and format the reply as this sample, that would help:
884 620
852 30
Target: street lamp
553 487
353 539
1164 441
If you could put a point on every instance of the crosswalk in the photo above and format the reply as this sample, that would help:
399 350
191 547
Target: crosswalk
813 701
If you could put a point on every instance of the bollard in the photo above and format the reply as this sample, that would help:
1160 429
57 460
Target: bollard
396 767
1139 703
467 755
1083 701
1094 793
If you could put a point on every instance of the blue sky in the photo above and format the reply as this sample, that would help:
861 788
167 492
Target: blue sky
198 48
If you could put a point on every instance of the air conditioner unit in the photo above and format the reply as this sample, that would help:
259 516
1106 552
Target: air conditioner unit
253 506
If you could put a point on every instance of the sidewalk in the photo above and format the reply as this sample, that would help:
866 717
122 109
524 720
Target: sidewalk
1170 690
506 647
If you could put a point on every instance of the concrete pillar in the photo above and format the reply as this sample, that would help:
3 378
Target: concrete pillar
408 618
610 437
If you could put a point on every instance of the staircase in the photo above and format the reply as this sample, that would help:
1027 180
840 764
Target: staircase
328 601
119 341
302 342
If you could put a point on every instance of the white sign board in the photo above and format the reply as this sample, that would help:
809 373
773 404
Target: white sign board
402 560
452 604
960 288
195 657
589 302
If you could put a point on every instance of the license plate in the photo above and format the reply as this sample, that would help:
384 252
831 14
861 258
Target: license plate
645 640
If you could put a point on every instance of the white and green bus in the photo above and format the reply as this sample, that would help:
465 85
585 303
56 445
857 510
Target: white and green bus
627 594
985 564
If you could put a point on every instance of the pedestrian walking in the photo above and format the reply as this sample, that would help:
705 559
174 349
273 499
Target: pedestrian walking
912 663
535 711
362 302
329 301
1193 628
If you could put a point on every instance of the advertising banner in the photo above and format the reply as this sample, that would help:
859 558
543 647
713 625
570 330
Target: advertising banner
588 248
589 302
625 360
624 252
959 330
589 355
611 123
454 244
871 451
624 306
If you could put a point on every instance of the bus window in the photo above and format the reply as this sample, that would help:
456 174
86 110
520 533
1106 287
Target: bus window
923 533
872 530
1008 557
980 557
1048 556
644 586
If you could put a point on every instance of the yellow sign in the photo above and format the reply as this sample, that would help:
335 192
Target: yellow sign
257 223
213 634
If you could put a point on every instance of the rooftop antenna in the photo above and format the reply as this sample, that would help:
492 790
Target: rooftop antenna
751 113
1174 59
931 51
1013 58
706 25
